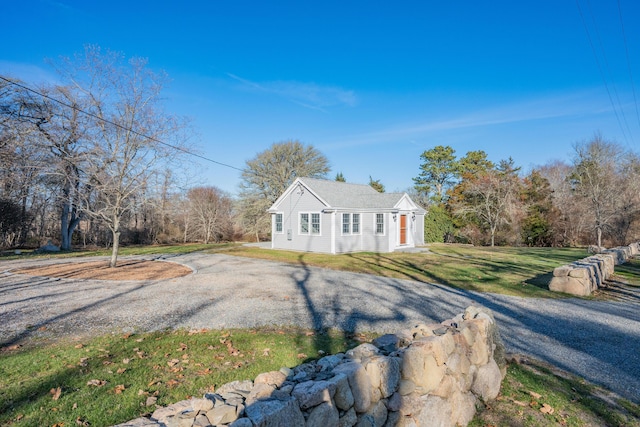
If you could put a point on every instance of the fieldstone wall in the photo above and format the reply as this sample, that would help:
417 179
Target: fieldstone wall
430 375
584 276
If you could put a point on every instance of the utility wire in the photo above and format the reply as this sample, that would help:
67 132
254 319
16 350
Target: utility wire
608 71
184 150
626 50
604 80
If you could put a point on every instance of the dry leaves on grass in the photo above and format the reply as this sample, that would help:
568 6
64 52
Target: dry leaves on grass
119 389
547 409
97 383
55 393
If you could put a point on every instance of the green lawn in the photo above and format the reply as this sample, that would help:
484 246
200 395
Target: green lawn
107 380
110 379
506 270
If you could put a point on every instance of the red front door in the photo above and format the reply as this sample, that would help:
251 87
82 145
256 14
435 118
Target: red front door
403 229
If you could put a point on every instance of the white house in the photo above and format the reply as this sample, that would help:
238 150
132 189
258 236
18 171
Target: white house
317 215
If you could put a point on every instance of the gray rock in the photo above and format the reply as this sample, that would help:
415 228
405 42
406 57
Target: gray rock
313 393
140 422
201 421
329 362
241 422
435 412
222 414
486 384
242 388
359 384
325 414
343 397
275 413
349 419
363 351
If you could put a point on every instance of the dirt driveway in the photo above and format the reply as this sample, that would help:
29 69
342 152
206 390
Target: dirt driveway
598 340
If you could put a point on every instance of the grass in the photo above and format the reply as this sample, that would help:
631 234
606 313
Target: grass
535 394
629 272
107 380
124 251
506 270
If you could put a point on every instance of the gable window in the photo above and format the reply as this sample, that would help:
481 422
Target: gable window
309 223
379 223
350 223
278 221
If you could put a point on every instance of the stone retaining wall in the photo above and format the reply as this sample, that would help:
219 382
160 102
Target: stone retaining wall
584 276
431 375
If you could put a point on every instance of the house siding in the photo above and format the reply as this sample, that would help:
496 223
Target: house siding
290 207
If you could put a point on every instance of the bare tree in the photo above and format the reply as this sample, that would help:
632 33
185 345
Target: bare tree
211 211
489 197
595 178
127 125
268 175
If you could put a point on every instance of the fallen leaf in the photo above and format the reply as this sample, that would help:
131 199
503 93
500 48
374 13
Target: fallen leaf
55 393
141 354
302 356
535 395
97 383
126 336
142 392
205 372
121 370
519 403
42 328
140 340
185 356
107 362
79 346
83 361
547 409
172 383
12 347
126 361
154 381
75 406
309 333
119 388
82 422
58 425
151 400
266 351
183 347
173 362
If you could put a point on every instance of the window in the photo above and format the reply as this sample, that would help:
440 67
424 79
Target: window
315 223
350 223
278 223
346 223
309 223
379 223
355 224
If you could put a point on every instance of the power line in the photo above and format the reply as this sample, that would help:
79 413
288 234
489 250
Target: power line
604 80
80 110
626 50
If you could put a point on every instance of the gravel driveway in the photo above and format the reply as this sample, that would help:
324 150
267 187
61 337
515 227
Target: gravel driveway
597 340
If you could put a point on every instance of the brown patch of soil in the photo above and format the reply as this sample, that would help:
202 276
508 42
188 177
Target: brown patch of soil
100 270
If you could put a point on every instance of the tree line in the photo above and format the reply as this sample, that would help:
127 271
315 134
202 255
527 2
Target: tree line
593 199
95 160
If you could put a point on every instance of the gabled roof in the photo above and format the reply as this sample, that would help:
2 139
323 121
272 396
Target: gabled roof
343 195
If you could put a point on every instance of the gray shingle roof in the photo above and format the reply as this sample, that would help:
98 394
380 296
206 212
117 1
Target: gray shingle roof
355 196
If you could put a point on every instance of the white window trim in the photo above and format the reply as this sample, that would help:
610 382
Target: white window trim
309 231
350 232
375 224
275 223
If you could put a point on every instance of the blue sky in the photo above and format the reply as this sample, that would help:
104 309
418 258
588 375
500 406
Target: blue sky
370 84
